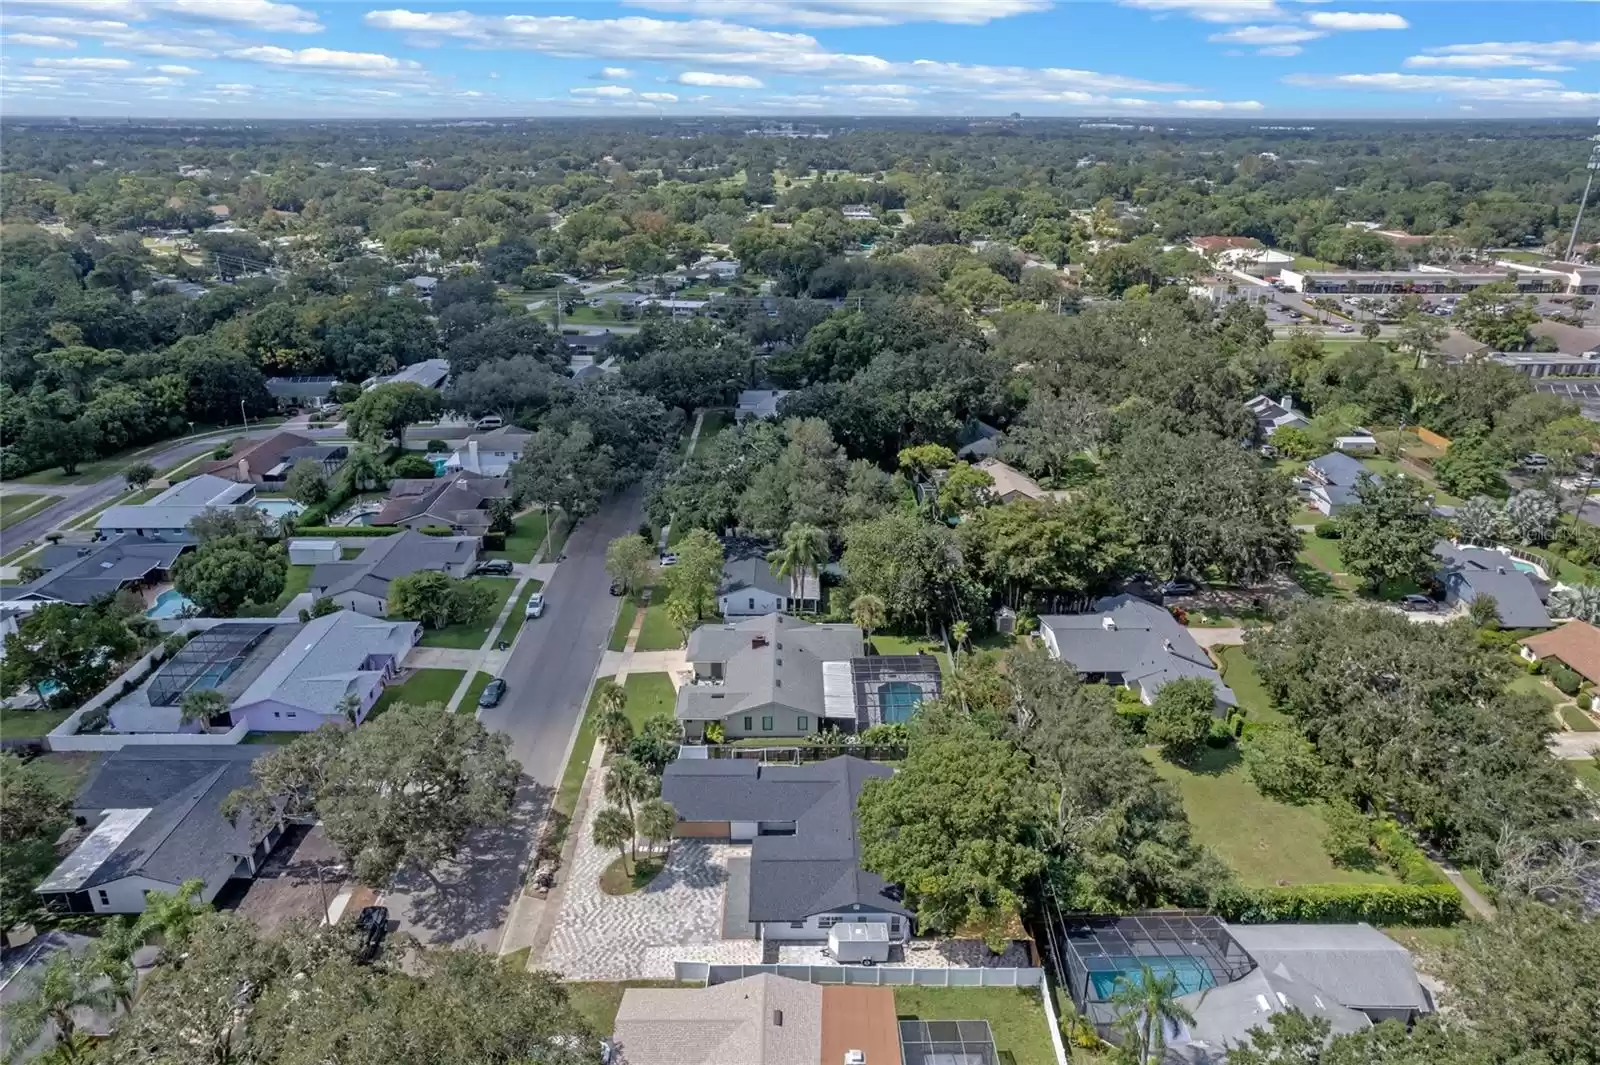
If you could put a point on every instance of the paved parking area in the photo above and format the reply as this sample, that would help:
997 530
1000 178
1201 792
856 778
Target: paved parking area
677 917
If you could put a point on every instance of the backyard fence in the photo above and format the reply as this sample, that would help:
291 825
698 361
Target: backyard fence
796 755
698 972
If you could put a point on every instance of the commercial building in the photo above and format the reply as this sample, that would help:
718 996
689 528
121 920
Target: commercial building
1423 279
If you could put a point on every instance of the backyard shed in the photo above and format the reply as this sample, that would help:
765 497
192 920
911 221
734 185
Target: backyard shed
313 552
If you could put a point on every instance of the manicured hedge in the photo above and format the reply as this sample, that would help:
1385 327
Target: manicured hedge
314 531
1380 904
1565 679
436 530
1403 855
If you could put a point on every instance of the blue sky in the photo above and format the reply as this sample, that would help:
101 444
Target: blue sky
1220 58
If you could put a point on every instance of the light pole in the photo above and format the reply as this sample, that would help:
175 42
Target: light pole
1592 165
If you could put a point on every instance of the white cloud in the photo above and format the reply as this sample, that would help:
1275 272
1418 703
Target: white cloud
325 59
1538 91
659 97
1280 49
253 14
1218 105
616 73
610 92
85 63
173 42
873 90
1477 62
168 68
154 79
39 40
1214 10
826 14
1357 20
1266 35
961 75
706 80
1543 56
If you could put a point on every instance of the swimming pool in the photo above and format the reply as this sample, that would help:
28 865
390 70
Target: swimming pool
169 604
1191 974
276 509
1525 567
897 701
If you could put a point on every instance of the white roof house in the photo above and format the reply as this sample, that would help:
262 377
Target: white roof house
334 656
1272 415
490 454
171 512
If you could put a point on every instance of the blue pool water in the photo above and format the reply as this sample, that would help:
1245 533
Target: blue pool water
1525 567
1192 974
48 688
897 700
278 508
169 604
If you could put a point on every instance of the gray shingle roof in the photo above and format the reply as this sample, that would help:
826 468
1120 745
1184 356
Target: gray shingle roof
1337 468
1473 571
328 660
772 659
725 1024
391 557
1225 1015
1355 963
79 573
459 499
817 869
1140 641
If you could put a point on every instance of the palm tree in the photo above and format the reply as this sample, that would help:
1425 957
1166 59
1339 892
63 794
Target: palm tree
614 828
655 821
804 548
612 724
202 706
960 632
362 469
112 958
1146 1006
171 916
1581 601
628 782
869 613
349 707
65 987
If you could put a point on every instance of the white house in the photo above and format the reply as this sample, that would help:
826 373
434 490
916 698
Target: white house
169 513
490 454
1272 415
333 658
759 403
750 587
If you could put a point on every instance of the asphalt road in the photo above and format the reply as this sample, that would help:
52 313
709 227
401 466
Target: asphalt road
90 496
548 675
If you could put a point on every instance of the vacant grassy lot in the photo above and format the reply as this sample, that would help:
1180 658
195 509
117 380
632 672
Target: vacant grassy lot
29 724
658 633
1015 1015
297 580
424 686
1240 673
1262 840
471 637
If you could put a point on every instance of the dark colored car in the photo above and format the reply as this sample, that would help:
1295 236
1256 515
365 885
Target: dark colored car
1179 587
373 924
616 587
493 692
1418 602
497 567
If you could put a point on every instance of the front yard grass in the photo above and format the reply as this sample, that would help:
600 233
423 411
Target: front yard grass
424 686
1015 1014
1588 771
1264 841
626 612
624 876
471 637
598 1003
297 580
578 761
1240 674
29 724
469 702
1529 684
649 694
523 540
714 422
514 623
1576 719
658 633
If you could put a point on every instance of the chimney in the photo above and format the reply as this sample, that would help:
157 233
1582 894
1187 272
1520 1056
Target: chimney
472 454
244 469
777 1018
1287 403
855 1057
1109 624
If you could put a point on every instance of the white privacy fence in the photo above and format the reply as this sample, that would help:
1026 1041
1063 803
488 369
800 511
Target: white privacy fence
697 972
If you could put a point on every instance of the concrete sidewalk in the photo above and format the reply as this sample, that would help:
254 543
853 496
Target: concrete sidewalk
485 658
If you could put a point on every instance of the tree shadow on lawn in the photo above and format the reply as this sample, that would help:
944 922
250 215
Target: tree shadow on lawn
1210 761
472 895
1317 583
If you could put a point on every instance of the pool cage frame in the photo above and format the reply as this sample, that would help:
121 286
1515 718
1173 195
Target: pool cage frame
947 1043
869 674
221 645
1077 944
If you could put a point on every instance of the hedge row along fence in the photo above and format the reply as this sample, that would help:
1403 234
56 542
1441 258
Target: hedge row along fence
1379 904
328 531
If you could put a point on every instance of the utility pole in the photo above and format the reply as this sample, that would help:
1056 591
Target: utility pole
245 421
1592 165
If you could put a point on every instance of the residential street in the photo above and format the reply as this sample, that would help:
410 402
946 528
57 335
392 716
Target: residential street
548 675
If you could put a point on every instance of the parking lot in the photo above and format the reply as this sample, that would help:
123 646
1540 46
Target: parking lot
1585 392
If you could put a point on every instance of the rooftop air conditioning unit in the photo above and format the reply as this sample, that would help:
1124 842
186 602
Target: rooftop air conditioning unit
855 1057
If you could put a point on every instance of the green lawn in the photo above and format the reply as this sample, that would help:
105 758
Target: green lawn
598 1003
1015 1014
578 762
513 625
425 686
480 681
1528 684
658 633
1262 840
18 505
66 770
1240 674
524 540
649 694
1307 262
1577 720
1588 771
619 632
715 421
296 581
1321 572
29 724
916 645
471 637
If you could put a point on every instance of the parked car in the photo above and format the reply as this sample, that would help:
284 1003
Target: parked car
535 608
1179 586
1347 329
616 588
495 567
373 924
493 692
669 559
491 421
1534 461
1419 603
